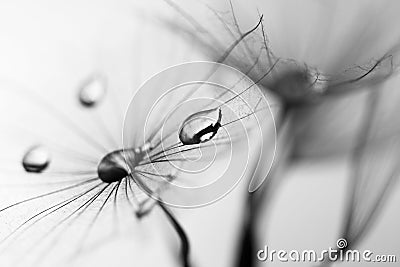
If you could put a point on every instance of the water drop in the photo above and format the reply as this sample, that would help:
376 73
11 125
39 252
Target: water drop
200 127
92 91
36 159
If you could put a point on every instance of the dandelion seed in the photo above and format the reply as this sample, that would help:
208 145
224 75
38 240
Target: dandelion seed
36 159
207 106
63 210
153 163
298 86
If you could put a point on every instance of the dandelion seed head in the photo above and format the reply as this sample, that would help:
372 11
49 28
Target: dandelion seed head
297 85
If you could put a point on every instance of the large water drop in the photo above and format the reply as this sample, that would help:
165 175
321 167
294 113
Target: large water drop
92 91
36 159
200 127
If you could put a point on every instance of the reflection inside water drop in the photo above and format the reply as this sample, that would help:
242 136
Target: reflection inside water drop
36 159
200 127
92 91
147 147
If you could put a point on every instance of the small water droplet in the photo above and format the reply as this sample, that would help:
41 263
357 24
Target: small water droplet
36 159
200 127
92 91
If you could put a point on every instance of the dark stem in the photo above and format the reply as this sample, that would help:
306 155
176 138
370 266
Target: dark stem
357 154
246 257
255 200
185 245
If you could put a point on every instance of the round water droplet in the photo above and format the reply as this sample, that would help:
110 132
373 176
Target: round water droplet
92 91
200 127
36 159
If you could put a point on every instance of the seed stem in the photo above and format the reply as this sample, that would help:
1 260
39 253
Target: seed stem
255 201
185 245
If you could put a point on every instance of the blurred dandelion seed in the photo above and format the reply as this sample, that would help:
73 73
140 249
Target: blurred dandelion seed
302 88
